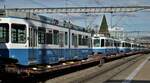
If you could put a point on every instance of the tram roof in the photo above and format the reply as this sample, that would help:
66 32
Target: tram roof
45 19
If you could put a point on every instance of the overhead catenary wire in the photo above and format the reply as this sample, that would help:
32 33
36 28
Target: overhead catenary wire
38 3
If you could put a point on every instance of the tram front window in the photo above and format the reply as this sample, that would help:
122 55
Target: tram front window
18 33
96 42
4 33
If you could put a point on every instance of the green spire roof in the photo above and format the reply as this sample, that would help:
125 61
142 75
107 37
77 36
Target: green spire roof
104 27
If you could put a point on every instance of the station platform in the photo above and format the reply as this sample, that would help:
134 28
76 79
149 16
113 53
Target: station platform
137 73
136 69
142 72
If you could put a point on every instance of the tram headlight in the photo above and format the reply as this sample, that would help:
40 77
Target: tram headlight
34 68
48 66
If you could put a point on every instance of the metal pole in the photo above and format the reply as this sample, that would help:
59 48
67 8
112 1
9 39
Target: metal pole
111 20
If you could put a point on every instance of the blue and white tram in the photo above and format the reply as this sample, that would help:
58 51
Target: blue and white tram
117 44
125 47
13 38
133 47
33 41
103 45
80 44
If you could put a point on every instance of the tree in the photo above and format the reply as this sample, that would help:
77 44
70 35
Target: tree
104 27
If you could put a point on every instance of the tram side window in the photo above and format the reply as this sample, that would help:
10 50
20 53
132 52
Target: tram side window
83 41
107 43
128 45
86 41
61 39
4 33
49 37
115 43
134 46
112 42
18 33
74 40
96 42
56 37
41 35
80 39
66 38
89 41
119 44
123 44
102 42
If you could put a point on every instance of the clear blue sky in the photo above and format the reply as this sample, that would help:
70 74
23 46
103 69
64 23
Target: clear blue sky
133 21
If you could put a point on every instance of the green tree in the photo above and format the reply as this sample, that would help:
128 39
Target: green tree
104 27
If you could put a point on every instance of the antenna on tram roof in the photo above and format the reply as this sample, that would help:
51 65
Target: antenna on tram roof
3 9
3 3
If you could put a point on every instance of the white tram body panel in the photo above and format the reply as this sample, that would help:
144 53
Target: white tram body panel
103 45
40 42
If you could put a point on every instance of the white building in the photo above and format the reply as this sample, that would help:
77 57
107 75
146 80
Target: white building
117 32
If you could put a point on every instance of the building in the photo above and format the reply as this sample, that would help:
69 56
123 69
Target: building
117 32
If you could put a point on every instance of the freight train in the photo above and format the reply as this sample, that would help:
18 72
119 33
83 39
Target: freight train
32 39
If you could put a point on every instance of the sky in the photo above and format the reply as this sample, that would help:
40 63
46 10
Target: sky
136 21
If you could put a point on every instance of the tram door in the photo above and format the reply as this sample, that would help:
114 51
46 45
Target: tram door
61 39
32 45
74 51
61 45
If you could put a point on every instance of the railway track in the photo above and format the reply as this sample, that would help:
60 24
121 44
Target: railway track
111 71
86 75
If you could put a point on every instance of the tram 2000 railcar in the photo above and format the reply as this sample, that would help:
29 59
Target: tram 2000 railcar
108 46
125 47
103 45
34 41
80 45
